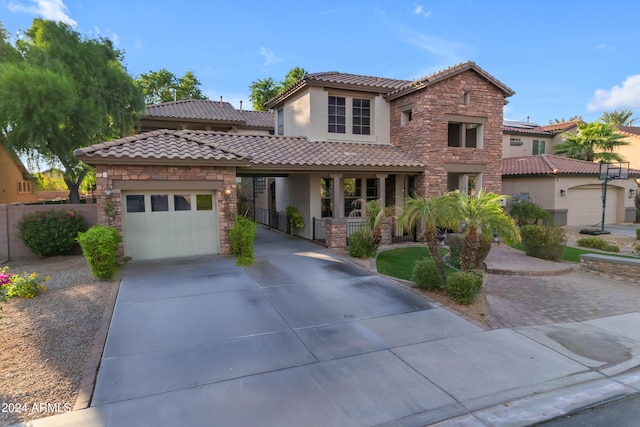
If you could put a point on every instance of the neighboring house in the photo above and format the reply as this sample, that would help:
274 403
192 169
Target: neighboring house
569 189
198 114
16 184
631 151
529 139
340 137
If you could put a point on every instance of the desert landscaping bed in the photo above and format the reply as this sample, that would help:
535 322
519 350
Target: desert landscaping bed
46 341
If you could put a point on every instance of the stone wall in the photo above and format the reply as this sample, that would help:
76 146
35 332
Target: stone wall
426 135
627 269
335 232
220 177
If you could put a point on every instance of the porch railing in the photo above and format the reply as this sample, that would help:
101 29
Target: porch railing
399 236
319 229
355 226
272 219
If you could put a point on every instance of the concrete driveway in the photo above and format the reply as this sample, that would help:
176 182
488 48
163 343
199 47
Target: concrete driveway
302 338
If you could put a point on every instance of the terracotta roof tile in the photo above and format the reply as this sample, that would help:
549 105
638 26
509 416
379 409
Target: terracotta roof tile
561 127
631 130
526 128
203 109
546 164
264 150
160 144
258 119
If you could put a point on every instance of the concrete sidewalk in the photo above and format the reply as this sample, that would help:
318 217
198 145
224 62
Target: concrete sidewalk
305 338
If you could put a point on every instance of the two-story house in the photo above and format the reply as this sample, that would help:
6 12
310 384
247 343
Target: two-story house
338 137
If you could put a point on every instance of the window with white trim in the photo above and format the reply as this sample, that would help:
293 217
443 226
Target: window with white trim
361 116
337 114
539 147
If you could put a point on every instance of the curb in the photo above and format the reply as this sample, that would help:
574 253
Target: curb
90 372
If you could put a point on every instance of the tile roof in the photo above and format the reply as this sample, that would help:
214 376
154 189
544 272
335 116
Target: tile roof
631 130
203 109
279 152
445 74
157 145
259 119
547 164
526 128
393 88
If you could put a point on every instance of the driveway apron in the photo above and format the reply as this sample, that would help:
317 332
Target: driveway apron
301 338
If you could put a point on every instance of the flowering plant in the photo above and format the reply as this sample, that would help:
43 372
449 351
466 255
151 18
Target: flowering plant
26 285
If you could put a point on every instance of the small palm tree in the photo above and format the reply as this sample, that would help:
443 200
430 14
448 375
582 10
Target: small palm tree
428 214
481 214
374 214
593 142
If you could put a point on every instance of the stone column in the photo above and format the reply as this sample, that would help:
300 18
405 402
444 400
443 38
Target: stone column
385 231
335 232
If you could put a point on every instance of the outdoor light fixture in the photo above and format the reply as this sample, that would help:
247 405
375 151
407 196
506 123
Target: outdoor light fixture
563 193
632 193
107 191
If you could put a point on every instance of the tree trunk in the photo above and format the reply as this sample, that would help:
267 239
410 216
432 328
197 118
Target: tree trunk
470 246
432 244
74 192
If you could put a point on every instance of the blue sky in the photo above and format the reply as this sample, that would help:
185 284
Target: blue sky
562 58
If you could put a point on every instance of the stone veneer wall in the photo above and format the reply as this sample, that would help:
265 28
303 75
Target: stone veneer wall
426 135
226 176
627 269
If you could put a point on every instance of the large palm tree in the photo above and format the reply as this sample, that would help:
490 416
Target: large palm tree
428 214
481 214
618 118
594 142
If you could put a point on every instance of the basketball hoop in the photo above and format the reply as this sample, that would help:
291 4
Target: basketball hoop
608 172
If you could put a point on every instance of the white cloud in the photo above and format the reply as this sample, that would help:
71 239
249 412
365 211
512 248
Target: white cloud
625 96
419 10
605 46
137 43
54 10
269 56
446 51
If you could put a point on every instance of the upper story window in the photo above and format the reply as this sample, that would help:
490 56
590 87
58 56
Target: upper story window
538 147
361 116
24 187
281 122
468 135
405 117
337 114
515 141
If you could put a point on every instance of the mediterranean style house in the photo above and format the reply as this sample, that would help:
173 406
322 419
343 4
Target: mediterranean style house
569 189
337 138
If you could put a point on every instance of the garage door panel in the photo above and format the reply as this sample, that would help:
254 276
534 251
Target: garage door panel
586 206
169 225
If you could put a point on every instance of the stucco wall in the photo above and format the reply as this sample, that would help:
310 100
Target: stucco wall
526 149
426 135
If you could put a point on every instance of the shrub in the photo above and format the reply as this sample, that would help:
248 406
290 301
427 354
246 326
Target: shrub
463 286
100 248
242 235
592 242
26 285
425 274
528 213
637 233
361 244
456 242
52 232
638 249
543 241
295 219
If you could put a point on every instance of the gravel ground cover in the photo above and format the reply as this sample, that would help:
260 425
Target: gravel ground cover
46 341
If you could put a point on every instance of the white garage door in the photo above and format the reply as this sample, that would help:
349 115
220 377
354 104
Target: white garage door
159 224
586 206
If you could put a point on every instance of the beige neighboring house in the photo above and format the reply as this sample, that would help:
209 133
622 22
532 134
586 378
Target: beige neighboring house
569 189
204 114
338 137
521 139
631 151
16 184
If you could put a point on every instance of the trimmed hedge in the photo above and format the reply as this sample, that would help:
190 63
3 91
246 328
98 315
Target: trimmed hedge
597 243
463 286
100 248
425 274
543 241
52 232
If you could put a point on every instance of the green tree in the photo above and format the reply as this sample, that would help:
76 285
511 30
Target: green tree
618 118
593 142
429 215
481 215
262 90
575 118
64 92
164 86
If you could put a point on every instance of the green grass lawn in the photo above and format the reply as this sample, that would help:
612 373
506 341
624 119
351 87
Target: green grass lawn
572 254
399 262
